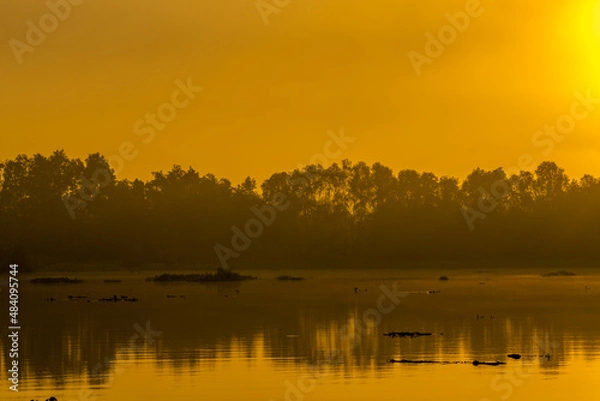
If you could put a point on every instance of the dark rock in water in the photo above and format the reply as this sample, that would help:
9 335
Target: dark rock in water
443 278
514 356
497 363
410 334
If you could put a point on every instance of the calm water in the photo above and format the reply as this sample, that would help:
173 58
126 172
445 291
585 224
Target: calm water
312 340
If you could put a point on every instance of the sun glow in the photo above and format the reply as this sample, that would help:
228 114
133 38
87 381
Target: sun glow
597 19
589 25
594 45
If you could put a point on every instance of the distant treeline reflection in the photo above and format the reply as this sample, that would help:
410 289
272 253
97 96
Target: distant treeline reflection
88 348
57 209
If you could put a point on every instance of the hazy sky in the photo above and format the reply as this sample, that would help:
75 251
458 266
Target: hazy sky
272 91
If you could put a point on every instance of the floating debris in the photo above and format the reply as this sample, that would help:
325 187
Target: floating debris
412 361
443 278
497 363
123 298
76 297
55 280
514 356
560 273
423 362
410 334
220 276
290 278
428 362
428 292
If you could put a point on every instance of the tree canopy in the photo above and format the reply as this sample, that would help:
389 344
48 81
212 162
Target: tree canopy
58 209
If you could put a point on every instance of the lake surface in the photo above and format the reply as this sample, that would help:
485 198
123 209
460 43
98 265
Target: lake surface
317 339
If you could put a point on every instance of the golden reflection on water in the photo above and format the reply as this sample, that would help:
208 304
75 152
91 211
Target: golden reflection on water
310 341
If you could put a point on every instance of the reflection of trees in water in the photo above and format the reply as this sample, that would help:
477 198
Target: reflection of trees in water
61 346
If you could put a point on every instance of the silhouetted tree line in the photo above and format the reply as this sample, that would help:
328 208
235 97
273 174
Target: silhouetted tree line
57 209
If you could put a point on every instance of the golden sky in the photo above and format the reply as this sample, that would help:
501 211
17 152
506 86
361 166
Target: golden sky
272 91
